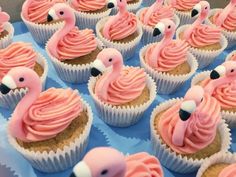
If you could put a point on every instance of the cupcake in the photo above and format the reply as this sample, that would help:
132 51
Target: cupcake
183 9
226 20
70 49
121 31
132 6
89 12
34 14
150 16
186 131
15 55
219 165
114 162
51 128
168 62
121 94
206 41
225 93
6 30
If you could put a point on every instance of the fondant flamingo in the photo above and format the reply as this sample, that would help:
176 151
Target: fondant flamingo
225 12
109 162
4 17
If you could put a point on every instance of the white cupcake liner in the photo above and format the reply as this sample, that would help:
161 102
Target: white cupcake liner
121 116
51 162
7 40
231 36
204 57
229 117
72 73
127 49
227 158
130 7
167 83
11 99
170 159
10 171
228 58
148 3
42 32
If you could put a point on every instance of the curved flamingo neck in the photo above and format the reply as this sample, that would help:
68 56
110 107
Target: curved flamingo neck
154 8
223 15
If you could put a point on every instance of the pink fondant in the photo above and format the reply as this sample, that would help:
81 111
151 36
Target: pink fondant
122 25
184 5
70 42
120 85
4 17
168 53
88 5
229 171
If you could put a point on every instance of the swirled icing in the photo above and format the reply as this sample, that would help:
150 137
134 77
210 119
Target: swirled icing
171 56
51 113
230 21
143 163
76 43
229 171
204 35
128 86
201 128
88 5
161 13
4 17
123 26
16 54
185 5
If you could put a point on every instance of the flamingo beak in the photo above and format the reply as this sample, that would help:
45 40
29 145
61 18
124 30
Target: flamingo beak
218 72
98 68
186 109
196 10
159 29
52 15
7 85
81 170
111 4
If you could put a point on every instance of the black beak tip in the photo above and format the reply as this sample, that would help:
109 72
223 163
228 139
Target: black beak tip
194 13
156 32
214 75
184 115
110 5
95 72
4 89
49 18
72 175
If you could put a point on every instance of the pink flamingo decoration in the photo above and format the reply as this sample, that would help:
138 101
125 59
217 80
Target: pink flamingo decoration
109 162
4 17
225 12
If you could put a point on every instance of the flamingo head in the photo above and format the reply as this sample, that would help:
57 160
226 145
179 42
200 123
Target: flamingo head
164 27
192 100
116 3
4 17
19 77
227 69
202 9
61 11
107 58
101 162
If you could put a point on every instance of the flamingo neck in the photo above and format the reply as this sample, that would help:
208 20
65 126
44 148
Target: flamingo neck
122 9
179 132
223 15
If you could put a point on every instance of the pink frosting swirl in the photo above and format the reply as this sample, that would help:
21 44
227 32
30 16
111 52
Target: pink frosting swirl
230 21
185 5
127 87
51 113
88 5
204 35
16 54
163 12
171 56
4 17
229 171
143 163
201 129
76 43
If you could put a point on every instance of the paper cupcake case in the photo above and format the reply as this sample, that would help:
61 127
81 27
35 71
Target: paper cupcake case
231 36
121 116
170 159
148 3
7 40
52 162
8 171
72 73
130 7
41 32
229 117
11 99
166 83
204 57
127 49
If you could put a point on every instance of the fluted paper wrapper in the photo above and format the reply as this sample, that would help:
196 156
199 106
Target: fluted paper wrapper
229 117
72 73
167 83
121 116
7 40
230 35
228 58
148 3
204 57
42 32
52 162
130 7
11 99
169 158
127 49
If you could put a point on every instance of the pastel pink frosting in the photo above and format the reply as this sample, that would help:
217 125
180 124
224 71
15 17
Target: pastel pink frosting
229 171
4 17
50 114
201 127
16 54
88 5
185 5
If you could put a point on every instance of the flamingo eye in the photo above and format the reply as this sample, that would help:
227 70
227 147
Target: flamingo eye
61 13
232 70
169 27
201 99
104 172
110 60
21 79
206 8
